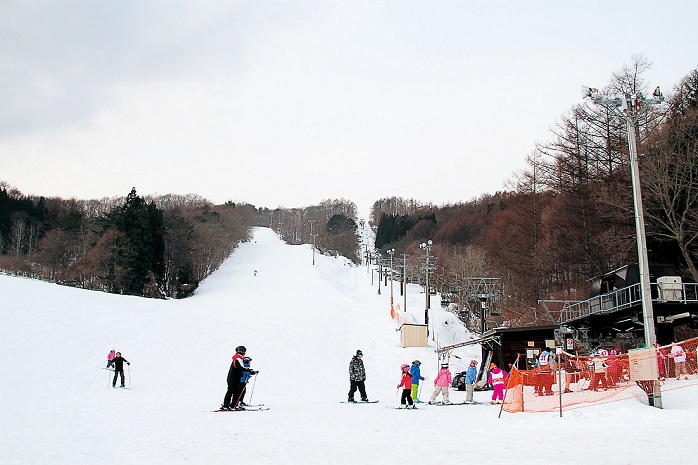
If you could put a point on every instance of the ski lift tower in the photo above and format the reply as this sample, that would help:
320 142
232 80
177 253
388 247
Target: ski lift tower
486 292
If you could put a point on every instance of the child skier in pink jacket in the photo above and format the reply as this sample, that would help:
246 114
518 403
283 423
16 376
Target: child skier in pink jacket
497 379
441 383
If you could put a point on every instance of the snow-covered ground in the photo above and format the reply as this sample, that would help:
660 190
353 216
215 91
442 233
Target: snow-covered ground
301 324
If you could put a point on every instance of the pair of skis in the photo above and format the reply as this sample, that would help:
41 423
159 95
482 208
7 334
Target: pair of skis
246 408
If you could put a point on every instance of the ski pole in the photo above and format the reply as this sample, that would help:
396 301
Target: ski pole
129 374
253 383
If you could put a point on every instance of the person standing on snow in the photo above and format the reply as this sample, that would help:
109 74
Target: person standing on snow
110 358
118 362
245 378
406 383
497 379
232 395
441 383
416 377
679 357
357 377
470 378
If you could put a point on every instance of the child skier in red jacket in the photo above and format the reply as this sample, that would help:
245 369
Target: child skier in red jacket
406 383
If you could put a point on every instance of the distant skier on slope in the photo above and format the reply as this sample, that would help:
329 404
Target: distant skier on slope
357 377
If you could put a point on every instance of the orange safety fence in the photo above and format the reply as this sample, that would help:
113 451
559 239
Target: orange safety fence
395 315
606 376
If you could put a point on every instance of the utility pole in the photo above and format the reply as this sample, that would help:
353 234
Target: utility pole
380 270
426 246
312 236
391 252
630 108
404 282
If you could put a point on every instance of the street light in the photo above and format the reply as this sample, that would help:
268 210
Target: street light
391 252
426 246
312 236
630 108
380 270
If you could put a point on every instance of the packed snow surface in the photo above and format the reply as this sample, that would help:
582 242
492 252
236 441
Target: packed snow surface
301 324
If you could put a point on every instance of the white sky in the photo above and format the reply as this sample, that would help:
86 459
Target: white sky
287 103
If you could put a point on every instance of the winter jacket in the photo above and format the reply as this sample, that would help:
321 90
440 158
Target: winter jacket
236 369
119 363
111 355
246 374
416 373
471 375
356 369
678 353
544 361
443 378
497 376
406 381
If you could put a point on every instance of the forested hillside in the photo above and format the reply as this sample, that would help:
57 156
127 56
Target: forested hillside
566 218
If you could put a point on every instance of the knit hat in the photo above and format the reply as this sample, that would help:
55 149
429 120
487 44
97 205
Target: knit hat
405 367
417 362
358 352
492 365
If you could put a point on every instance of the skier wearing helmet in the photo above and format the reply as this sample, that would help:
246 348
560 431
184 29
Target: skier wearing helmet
441 383
232 395
406 383
416 378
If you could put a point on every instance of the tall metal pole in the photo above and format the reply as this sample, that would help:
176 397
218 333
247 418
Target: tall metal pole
629 108
426 246
380 270
404 279
391 252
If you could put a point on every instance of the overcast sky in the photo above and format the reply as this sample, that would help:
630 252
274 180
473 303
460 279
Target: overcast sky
287 103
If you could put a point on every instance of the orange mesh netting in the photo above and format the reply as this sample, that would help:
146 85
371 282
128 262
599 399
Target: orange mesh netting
607 376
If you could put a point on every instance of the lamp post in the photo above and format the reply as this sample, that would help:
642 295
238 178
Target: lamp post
391 252
630 108
380 270
404 282
312 236
426 246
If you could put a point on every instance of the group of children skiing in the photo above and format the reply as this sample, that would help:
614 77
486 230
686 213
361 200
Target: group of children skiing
240 372
411 377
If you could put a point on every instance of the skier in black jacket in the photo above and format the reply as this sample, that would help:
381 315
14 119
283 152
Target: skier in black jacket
357 377
119 368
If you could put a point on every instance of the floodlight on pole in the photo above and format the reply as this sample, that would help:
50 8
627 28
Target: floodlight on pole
630 108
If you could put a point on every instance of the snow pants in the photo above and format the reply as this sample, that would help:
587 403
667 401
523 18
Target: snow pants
498 392
361 387
232 395
440 389
406 398
415 391
116 375
469 388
